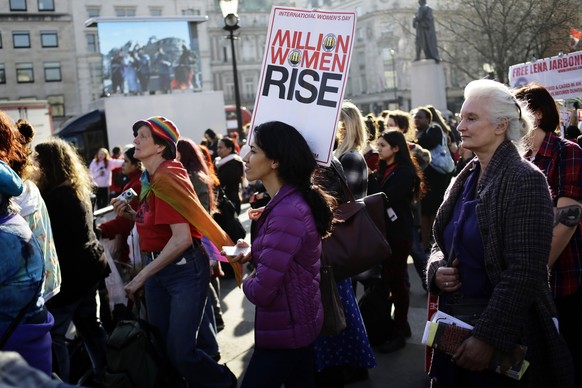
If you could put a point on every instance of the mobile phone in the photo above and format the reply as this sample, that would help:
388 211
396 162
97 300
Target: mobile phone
235 250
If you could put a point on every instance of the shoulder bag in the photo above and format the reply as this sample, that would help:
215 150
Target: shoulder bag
441 159
334 318
358 239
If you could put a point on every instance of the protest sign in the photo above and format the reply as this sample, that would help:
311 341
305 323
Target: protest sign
303 78
561 75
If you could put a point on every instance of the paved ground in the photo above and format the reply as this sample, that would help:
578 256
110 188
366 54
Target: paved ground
401 369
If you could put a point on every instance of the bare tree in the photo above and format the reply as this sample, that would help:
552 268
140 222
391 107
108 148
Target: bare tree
502 33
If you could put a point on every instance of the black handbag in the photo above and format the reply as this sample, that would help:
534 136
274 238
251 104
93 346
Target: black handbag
358 241
226 217
334 318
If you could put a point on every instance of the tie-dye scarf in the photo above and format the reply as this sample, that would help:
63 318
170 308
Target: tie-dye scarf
171 184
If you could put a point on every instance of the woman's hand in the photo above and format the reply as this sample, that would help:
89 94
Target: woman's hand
242 258
254 214
134 289
122 209
473 354
447 279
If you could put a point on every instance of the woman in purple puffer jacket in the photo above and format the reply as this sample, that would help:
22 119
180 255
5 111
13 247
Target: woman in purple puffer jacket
285 284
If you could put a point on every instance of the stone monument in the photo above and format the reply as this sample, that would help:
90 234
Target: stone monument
427 84
425 33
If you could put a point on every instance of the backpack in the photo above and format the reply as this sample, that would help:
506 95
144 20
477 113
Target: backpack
135 357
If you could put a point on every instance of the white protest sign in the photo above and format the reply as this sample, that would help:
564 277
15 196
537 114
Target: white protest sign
561 75
306 63
566 115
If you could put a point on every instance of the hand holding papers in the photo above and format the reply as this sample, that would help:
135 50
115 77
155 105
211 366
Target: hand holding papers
446 333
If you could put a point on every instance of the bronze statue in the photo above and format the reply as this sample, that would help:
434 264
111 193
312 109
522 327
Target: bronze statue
425 33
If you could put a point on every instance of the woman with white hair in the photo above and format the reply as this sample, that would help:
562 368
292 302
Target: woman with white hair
493 234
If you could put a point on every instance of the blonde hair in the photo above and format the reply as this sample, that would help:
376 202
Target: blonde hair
352 132
60 164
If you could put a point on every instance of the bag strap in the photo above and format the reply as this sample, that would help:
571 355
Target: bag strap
10 330
457 295
451 256
345 187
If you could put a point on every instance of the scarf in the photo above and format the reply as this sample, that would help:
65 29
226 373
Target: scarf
219 162
172 185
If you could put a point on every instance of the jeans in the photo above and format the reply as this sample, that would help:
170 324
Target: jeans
207 333
271 368
176 299
83 314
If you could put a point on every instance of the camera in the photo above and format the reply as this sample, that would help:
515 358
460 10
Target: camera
128 195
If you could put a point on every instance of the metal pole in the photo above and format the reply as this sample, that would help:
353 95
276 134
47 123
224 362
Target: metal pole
236 91
394 79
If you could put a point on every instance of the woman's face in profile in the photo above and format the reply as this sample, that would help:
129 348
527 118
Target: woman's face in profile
257 164
477 131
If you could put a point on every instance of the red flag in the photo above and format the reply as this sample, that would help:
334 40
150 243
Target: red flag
575 36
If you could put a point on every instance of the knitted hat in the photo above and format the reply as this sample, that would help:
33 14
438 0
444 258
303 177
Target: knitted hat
161 127
10 183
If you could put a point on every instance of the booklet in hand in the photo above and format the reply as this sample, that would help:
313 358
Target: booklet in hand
446 336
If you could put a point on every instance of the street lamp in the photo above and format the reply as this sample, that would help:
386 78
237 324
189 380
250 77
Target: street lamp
229 10
392 53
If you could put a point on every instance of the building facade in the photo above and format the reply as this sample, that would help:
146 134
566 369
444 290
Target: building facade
37 55
48 51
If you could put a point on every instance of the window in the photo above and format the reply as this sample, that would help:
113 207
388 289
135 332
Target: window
155 11
190 11
18 5
93 12
21 39
24 73
49 39
52 71
46 5
0 41
2 74
124 11
91 42
57 105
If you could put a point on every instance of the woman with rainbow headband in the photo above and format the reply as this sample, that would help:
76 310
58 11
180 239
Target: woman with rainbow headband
171 221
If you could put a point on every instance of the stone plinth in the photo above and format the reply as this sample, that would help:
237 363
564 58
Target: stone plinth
427 84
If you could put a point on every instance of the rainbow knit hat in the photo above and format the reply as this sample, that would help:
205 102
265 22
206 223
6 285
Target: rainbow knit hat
161 127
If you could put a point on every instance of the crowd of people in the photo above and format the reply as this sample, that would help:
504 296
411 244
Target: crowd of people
487 205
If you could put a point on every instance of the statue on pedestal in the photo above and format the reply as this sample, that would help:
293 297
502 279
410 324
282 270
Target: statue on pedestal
425 33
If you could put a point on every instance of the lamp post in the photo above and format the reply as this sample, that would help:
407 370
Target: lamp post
229 10
392 53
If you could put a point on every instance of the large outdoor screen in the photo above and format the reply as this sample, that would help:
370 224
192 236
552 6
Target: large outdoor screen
145 57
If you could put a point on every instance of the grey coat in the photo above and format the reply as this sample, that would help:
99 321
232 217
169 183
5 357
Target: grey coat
515 218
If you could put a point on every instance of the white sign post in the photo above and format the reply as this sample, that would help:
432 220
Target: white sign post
561 75
306 63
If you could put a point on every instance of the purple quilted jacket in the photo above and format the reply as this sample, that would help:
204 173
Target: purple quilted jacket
285 285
